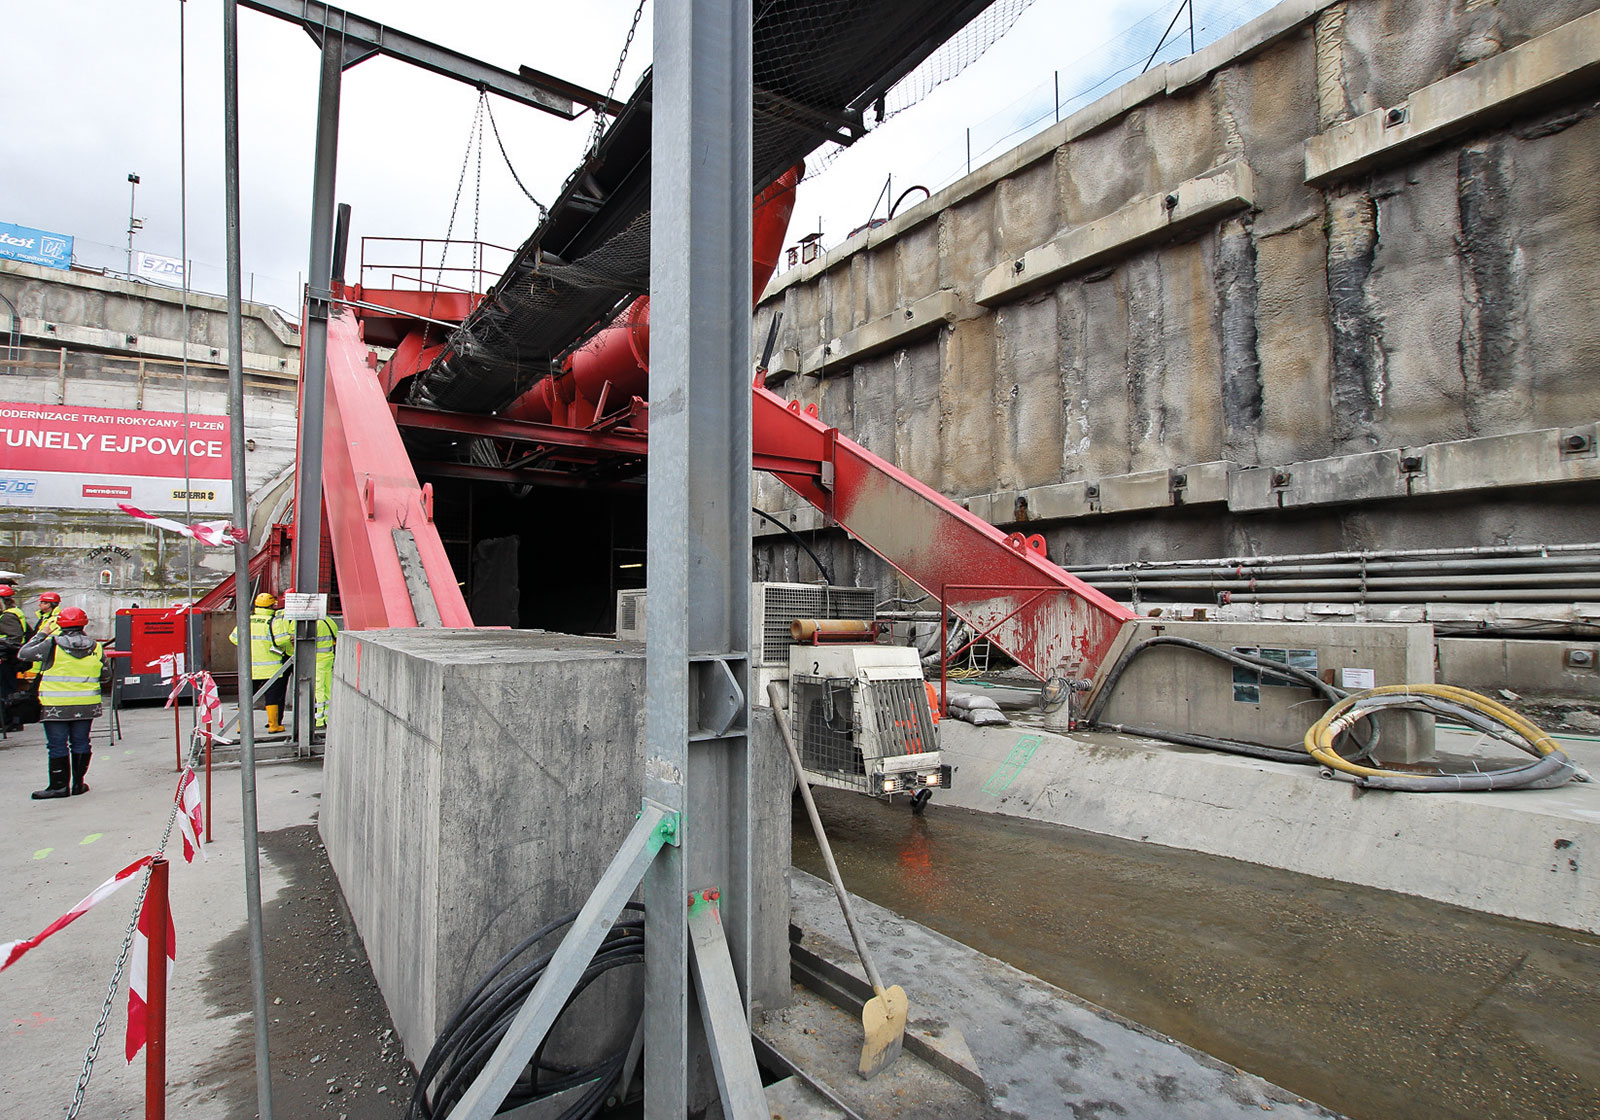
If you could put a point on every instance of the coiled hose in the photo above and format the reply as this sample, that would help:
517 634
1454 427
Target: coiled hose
470 1037
1277 670
1551 768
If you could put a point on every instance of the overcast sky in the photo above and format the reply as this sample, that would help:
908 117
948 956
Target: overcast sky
92 93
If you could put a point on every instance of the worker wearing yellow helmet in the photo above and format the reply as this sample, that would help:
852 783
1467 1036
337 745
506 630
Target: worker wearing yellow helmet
271 643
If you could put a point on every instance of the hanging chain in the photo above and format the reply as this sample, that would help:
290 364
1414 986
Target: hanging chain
616 75
477 186
116 974
543 209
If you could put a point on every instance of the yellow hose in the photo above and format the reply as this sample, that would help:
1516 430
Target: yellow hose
1322 735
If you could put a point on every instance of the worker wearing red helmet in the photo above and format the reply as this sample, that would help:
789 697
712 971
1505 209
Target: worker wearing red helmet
71 671
49 608
13 632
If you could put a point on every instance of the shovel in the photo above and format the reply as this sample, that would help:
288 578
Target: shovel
883 1017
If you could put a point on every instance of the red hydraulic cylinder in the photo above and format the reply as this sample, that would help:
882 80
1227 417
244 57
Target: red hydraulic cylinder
615 364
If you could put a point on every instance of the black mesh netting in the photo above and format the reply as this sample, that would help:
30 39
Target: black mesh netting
823 70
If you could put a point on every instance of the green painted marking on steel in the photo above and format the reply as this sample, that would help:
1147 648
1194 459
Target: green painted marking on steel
1021 754
91 838
42 852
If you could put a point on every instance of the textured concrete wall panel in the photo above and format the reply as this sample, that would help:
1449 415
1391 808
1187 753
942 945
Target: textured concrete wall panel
966 382
1028 394
1292 339
1025 209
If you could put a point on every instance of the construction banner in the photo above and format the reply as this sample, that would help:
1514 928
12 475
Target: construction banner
73 457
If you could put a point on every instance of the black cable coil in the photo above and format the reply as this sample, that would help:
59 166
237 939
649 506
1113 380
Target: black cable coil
480 1022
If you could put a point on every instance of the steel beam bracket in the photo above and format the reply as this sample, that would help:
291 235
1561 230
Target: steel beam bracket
716 699
668 831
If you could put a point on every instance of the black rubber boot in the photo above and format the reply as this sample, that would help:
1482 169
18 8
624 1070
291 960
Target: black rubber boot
60 772
80 767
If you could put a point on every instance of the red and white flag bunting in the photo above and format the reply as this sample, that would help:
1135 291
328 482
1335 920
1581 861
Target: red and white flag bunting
139 974
205 693
206 532
191 820
12 951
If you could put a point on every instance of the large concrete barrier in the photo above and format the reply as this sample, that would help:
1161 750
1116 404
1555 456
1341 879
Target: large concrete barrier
477 784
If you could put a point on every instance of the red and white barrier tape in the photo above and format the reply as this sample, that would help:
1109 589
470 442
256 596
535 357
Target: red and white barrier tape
12 951
215 533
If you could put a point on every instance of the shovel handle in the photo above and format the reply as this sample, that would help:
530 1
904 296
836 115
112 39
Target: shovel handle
822 842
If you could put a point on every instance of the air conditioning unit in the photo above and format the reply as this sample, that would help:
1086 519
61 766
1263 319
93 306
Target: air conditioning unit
630 615
861 720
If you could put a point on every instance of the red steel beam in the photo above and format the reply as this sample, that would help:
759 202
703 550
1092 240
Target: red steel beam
369 490
988 578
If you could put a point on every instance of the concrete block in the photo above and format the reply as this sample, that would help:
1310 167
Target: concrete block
1143 490
1554 666
1189 205
477 783
1065 499
1487 852
895 329
1175 689
1544 69
1343 478
1202 483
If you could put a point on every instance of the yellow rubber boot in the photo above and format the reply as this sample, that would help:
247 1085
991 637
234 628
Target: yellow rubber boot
274 718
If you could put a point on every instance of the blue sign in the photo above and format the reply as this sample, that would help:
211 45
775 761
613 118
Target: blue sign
19 243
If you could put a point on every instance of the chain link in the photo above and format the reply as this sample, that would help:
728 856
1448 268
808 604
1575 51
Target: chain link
116 976
616 75
543 209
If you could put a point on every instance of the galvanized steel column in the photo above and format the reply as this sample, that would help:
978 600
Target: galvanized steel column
314 378
696 669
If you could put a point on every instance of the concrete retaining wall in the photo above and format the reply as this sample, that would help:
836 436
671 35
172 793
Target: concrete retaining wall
477 784
1233 309
1523 854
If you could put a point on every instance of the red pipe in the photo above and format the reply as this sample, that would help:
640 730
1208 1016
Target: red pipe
620 353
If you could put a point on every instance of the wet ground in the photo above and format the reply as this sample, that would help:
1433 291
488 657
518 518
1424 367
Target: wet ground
1378 1005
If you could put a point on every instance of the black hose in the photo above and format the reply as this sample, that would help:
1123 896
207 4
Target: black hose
821 567
467 1041
1286 673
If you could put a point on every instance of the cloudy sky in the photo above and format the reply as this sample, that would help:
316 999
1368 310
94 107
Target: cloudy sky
92 90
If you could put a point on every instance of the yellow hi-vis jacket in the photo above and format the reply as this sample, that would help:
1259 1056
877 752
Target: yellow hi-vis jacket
270 644
45 622
69 688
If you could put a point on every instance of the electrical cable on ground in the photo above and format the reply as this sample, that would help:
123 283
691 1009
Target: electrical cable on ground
1552 768
467 1041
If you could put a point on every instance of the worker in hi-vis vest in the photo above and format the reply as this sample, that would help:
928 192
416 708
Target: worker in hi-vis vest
271 643
49 609
327 639
13 633
71 670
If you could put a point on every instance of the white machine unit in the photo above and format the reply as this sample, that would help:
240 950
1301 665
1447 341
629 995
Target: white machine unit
630 615
861 720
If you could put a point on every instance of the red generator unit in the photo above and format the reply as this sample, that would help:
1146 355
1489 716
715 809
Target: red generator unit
147 635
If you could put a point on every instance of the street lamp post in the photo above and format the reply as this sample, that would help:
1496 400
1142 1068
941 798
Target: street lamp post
133 223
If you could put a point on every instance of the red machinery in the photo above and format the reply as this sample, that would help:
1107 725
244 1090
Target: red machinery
392 567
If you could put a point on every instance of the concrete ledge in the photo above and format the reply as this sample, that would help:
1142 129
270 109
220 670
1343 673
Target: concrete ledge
1561 668
1528 854
166 349
1546 68
1170 214
895 329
